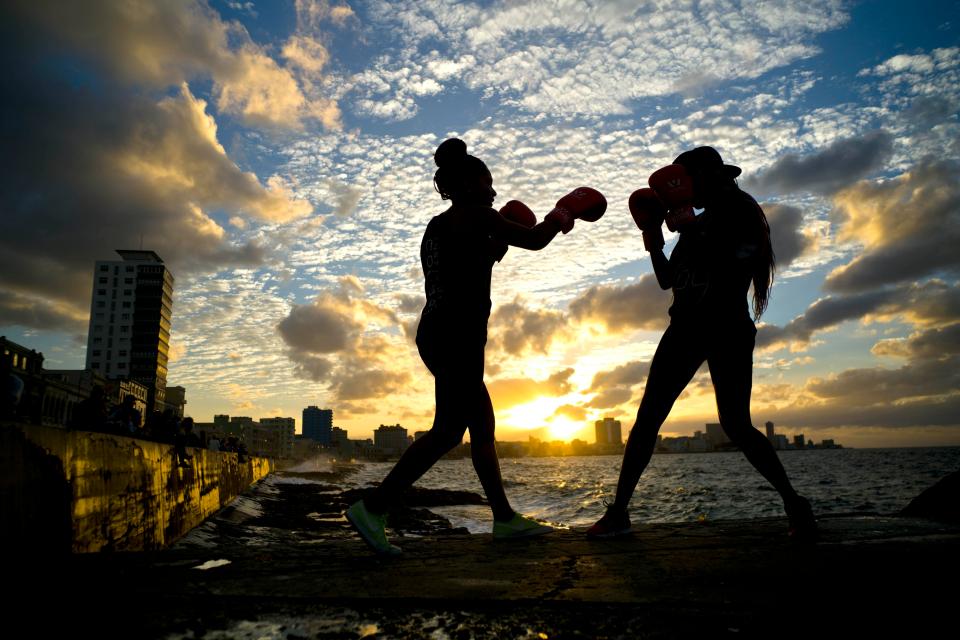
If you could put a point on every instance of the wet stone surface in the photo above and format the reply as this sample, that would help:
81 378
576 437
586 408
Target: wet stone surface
281 562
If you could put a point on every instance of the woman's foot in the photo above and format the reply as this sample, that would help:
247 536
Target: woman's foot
803 524
519 527
371 527
615 522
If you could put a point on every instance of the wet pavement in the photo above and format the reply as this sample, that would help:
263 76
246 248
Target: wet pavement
282 563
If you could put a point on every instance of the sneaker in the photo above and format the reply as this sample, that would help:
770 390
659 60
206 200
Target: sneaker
803 524
613 523
371 527
519 527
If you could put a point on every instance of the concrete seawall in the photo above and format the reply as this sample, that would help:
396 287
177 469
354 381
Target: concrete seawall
63 491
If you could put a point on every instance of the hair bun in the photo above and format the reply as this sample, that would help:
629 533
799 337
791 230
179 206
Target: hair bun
450 151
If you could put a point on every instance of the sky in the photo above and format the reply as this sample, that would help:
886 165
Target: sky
278 157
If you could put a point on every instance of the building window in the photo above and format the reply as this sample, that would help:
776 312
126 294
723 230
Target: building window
97 340
101 292
128 281
122 353
124 316
99 316
103 281
104 267
95 365
101 304
129 269
124 329
121 365
127 292
126 305
96 352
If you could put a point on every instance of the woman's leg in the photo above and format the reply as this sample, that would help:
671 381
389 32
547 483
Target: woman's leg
449 424
483 450
731 369
677 359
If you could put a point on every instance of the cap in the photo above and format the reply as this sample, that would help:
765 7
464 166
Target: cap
706 159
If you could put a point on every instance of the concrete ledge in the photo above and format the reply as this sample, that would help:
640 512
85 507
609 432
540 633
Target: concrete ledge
78 491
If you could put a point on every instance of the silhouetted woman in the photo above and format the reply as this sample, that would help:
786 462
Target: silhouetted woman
457 253
717 257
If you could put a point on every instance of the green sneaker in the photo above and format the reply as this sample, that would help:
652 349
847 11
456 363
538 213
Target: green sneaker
371 527
519 527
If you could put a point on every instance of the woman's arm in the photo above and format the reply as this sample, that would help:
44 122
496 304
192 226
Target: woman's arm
517 235
662 268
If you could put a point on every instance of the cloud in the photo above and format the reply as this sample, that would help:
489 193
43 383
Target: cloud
786 233
37 313
545 57
517 329
574 412
615 387
931 303
337 339
642 305
931 344
909 227
168 43
88 173
837 166
509 392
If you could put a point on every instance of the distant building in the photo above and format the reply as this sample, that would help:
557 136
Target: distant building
799 441
281 434
318 424
780 442
717 436
770 432
130 309
390 439
176 399
419 434
607 432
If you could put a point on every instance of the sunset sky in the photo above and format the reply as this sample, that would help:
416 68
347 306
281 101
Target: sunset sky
278 156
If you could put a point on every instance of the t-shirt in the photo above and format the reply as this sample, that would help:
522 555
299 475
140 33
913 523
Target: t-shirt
714 260
457 256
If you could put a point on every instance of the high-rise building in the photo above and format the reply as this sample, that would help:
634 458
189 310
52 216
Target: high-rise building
390 439
716 435
318 424
607 432
770 432
129 335
799 441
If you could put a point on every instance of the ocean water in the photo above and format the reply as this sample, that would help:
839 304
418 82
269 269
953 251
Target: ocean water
690 487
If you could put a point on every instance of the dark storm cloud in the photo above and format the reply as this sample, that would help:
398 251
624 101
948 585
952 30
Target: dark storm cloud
786 226
90 166
828 170
909 226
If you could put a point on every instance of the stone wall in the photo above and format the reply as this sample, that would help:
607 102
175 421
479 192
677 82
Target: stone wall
63 491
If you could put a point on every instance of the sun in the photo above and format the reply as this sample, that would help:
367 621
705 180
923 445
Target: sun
563 428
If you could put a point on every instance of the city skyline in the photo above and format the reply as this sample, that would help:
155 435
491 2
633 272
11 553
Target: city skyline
278 157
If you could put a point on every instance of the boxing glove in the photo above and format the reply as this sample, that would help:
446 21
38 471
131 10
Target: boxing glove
648 212
674 186
583 203
516 211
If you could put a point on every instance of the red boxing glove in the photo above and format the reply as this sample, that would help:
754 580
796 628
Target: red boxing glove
648 212
516 211
674 187
583 203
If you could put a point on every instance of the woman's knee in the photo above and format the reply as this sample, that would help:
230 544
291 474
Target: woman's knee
447 438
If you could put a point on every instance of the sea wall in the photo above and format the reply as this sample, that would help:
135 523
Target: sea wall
63 491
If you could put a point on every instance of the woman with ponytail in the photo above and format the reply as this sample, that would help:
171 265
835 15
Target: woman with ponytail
719 255
457 253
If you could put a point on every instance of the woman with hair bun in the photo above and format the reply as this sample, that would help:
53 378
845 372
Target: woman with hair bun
457 253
